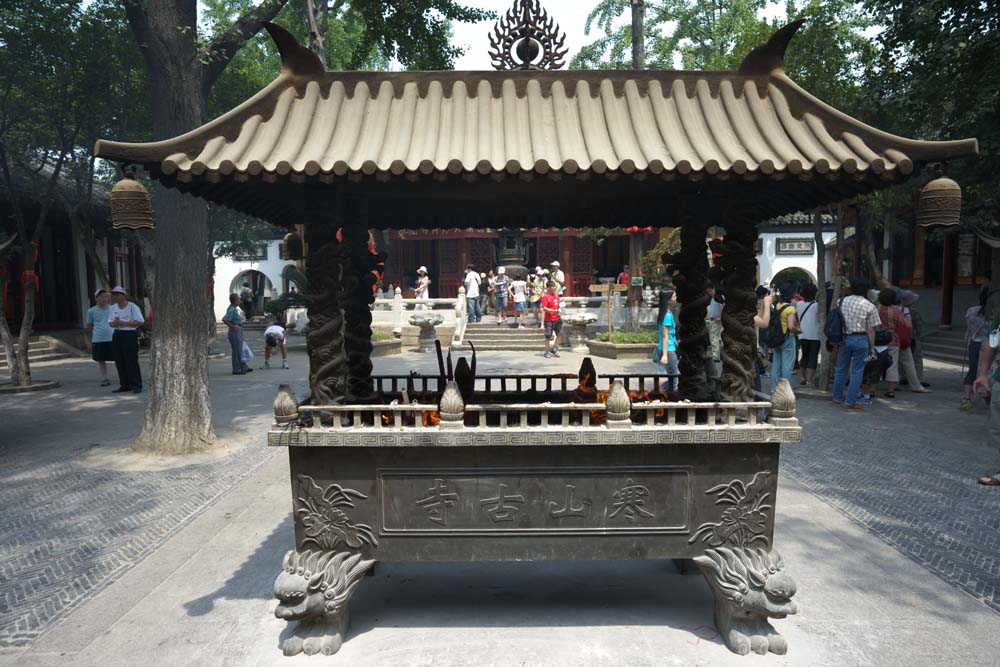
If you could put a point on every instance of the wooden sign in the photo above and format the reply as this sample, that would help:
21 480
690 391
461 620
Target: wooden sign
607 289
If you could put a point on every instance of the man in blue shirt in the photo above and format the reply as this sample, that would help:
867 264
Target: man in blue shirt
234 321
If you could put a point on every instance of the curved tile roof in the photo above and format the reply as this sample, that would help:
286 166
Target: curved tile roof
754 122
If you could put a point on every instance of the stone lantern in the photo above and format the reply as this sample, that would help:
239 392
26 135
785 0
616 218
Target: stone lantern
427 321
130 207
940 203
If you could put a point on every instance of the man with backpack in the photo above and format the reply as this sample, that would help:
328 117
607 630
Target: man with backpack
860 318
780 336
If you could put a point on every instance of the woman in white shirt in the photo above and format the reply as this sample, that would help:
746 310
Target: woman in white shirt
807 311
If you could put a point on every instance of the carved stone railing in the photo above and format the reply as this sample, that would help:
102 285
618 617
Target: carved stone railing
548 422
394 384
395 311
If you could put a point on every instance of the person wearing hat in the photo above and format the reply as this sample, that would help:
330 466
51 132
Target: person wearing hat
471 283
101 333
537 289
125 318
558 277
502 287
422 289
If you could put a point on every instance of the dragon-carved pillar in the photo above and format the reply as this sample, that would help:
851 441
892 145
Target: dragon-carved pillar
692 330
738 267
325 340
359 280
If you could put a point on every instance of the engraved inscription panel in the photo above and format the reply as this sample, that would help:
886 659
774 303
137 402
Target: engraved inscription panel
532 501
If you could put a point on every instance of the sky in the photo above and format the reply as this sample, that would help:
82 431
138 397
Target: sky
571 15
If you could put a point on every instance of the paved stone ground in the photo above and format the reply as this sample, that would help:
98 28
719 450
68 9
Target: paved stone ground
906 469
67 531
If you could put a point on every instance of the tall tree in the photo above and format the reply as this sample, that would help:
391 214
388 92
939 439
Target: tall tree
181 70
63 80
702 34
939 78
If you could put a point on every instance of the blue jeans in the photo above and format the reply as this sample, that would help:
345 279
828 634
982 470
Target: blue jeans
475 310
851 359
671 368
783 362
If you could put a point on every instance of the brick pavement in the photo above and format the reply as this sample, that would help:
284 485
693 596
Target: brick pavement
906 470
68 531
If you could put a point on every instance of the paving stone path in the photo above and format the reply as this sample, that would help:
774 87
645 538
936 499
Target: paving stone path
63 542
906 470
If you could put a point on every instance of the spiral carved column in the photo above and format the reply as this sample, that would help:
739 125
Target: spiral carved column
325 341
358 298
692 330
738 265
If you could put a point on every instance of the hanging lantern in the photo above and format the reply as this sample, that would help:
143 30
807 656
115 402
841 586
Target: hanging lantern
940 203
130 207
291 247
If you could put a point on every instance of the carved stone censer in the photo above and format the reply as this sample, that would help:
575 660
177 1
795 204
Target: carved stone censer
462 466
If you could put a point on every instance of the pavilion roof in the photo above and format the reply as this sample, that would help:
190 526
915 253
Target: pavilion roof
314 125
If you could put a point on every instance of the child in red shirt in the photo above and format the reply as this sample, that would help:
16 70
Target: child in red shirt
553 321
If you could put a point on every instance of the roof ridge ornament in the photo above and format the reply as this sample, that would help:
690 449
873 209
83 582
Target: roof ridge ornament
527 38
296 60
770 56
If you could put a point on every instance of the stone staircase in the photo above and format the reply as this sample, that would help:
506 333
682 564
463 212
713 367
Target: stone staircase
40 348
946 345
488 336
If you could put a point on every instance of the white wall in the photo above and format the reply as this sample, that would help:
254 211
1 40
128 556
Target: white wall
227 269
771 264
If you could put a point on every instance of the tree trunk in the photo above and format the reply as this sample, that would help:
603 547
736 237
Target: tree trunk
638 34
179 410
10 352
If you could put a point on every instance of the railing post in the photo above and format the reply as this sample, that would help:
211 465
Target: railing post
782 411
397 309
452 407
460 315
618 406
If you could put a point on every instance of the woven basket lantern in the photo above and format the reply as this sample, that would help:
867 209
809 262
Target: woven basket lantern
130 207
940 203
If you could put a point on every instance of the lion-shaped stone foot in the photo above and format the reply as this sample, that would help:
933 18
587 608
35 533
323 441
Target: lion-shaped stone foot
750 586
313 589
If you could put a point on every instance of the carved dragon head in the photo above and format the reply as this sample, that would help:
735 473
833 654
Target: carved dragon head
316 583
754 579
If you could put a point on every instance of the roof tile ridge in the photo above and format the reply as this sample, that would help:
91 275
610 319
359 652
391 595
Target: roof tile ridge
915 148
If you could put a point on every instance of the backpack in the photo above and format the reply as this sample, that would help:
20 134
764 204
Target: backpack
834 326
773 334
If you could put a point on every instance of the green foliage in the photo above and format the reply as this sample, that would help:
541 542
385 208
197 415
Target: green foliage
69 74
642 337
378 335
654 271
703 34
939 78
